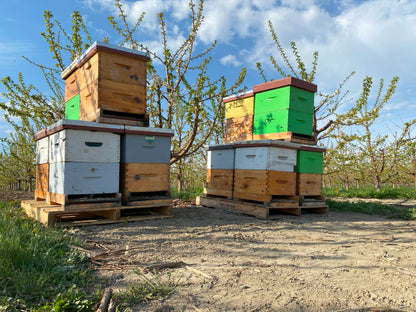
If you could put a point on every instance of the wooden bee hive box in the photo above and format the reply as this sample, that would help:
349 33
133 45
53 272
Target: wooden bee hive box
107 84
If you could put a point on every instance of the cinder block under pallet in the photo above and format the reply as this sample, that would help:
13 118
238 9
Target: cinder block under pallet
56 215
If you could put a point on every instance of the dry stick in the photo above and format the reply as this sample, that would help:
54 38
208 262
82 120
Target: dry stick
198 272
112 306
162 266
105 300
115 252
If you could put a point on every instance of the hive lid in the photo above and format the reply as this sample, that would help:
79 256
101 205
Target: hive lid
84 125
213 147
285 82
266 142
102 46
148 131
238 96
41 134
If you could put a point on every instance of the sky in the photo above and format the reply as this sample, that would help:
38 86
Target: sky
374 38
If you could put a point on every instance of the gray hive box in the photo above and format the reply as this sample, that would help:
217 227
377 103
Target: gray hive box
145 145
220 156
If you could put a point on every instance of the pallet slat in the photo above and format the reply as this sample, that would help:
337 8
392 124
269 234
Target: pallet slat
55 214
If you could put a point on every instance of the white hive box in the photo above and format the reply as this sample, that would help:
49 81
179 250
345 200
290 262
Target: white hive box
220 156
42 151
265 158
78 178
70 145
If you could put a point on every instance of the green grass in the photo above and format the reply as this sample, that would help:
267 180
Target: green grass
39 271
373 209
188 194
156 287
371 192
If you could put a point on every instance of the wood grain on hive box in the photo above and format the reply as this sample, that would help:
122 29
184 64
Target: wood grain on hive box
220 182
308 184
238 129
262 185
143 178
42 181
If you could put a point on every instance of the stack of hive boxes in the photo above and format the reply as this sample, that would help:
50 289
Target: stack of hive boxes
103 151
256 162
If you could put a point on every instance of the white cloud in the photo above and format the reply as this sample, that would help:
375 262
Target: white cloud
230 59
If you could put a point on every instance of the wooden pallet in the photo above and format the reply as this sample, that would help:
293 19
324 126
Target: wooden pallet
314 203
259 210
280 205
287 136
55 214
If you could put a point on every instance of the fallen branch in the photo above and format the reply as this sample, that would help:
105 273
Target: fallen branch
105 300
198 272
168 265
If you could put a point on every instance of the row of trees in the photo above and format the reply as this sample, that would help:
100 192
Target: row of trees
183 97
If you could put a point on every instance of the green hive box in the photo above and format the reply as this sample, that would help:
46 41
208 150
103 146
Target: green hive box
283 121
309 162
72 108
284 98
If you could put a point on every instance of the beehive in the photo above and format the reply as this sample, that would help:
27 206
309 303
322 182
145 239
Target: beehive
220 170
284 105
145 158
105 84
264 169
82 159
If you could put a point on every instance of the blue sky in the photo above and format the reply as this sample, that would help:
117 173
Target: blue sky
375 38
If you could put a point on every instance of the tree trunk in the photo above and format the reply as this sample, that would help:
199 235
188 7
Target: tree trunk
377 182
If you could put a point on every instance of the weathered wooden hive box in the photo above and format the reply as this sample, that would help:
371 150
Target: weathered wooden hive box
220 170
239 110
42 164
284 105
264 169
83 159
145 162
107 84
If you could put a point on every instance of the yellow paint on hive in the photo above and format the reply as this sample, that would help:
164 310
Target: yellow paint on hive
239 108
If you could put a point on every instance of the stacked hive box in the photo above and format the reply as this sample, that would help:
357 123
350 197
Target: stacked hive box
145 161
220 174
83 158
266 169
107 84
239 112
99 154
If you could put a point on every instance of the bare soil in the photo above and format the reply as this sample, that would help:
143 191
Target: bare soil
232 262
227 261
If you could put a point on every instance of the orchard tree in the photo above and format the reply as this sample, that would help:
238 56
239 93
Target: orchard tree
326 114
375 148
180 94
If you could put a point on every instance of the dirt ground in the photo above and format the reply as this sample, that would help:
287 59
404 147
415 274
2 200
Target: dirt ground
233 262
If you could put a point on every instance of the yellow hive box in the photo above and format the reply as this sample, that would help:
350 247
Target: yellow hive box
239 105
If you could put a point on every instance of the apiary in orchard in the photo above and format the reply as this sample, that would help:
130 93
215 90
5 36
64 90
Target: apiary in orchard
102 163
271 163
